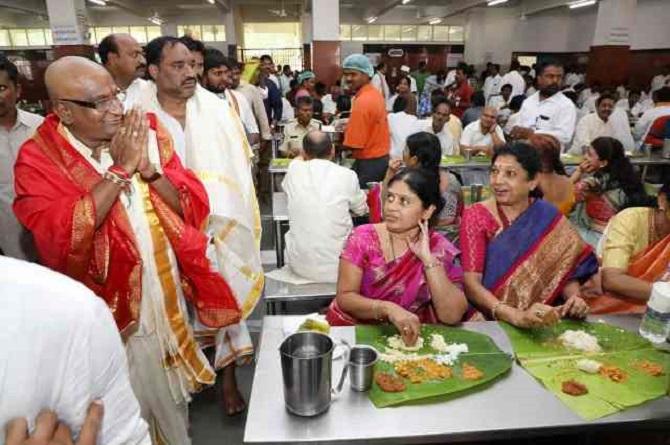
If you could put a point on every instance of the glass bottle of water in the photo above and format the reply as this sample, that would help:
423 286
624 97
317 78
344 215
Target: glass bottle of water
655 325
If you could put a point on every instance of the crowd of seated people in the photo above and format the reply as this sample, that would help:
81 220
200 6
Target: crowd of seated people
547 244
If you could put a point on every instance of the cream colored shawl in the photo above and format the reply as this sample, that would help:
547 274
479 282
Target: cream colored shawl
216 149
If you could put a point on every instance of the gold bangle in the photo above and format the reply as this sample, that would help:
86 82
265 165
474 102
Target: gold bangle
431 265
375 310
495 308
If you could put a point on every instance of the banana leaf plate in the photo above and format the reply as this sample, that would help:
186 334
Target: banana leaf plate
482 353
540 353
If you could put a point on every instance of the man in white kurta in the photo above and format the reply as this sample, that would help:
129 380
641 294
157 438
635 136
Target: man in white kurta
493 81
607 121
445 125
514 78
210 139
217 79
321 198
661 80
661 108
61 351
123 57
547 111
401 126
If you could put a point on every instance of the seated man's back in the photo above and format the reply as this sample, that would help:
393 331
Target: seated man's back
60 351
321 196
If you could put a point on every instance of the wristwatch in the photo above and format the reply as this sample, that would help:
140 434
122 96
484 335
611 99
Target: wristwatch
156 175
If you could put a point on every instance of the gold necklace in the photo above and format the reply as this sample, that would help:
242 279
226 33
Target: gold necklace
414 240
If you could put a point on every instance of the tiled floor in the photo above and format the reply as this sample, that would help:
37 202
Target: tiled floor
209 424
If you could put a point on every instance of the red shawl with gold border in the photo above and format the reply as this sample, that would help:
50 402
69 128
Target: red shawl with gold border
54 201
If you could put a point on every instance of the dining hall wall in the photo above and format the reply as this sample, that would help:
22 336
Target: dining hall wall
493 34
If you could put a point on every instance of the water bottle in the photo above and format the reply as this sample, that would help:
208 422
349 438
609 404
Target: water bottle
655 325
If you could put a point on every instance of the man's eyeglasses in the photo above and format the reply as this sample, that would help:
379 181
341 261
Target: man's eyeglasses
102 105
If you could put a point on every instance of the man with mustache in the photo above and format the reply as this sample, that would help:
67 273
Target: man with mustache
607 121
547 111
123 58
110 205
210 138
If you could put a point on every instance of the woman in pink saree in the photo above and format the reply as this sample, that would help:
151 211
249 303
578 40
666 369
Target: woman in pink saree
400 271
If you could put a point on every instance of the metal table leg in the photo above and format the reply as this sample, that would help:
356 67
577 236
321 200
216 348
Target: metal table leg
278 245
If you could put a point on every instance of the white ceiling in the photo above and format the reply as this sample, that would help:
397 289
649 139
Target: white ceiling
352 11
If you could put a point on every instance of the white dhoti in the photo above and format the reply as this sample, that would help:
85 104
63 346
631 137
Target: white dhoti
214 145
168 420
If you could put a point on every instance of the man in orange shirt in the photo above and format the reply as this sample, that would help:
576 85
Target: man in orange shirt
367 134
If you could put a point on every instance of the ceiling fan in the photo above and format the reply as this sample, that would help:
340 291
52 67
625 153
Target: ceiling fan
279 12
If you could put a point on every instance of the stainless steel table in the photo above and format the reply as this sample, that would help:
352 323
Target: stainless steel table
514 406
279 292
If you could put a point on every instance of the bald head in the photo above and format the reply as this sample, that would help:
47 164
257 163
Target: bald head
123 57
316 144
77 78
488 117
85 99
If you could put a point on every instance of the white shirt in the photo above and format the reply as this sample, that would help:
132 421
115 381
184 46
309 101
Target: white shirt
516 80
572 79
512 121
133 93
287 112
448 142
498 101
647 119
273 78
285 82
412 84
589 105
450 79
320 196
60 351
585 94
640 106
329 105
473 136
659 81
253 96
379 82
401 126
15 241
591 127
492 85
555 115
246 115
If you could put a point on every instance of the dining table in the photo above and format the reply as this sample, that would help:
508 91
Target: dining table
513 406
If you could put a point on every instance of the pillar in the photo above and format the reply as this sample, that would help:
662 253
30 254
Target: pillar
610 56
326 40
231 33
68 20
306 41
